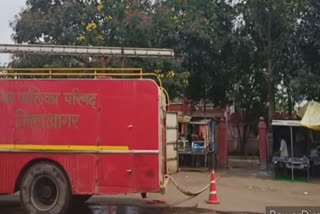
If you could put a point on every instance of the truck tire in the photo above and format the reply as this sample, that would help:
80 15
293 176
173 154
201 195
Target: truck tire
45 189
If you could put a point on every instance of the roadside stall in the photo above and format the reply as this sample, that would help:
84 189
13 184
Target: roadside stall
183 123
290 149
296 144
198 150
310 114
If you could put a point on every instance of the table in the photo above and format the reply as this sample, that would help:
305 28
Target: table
195 159
295 163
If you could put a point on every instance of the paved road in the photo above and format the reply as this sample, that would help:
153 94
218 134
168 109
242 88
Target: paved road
11 205
246 190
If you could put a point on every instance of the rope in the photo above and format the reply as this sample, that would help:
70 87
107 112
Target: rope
188 192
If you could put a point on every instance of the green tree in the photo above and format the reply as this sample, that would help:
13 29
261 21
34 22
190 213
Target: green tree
206 43
271 24
306 80
125 23
248 89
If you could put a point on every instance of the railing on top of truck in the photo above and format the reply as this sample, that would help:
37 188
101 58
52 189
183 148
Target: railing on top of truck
95 73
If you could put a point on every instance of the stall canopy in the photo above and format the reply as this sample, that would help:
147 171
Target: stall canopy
310 114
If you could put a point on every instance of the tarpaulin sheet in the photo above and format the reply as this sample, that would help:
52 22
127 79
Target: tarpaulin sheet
310 114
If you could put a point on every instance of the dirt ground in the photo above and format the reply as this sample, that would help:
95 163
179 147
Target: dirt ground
239 190
248 190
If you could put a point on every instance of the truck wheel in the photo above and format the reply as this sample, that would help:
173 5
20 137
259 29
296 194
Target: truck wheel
45 189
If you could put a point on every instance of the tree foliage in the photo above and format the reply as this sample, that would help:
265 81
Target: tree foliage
261 55
124 23
305 83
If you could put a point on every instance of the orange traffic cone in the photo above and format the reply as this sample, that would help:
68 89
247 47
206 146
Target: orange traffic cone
213 199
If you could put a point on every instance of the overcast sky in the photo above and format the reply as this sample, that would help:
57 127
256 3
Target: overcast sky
7 11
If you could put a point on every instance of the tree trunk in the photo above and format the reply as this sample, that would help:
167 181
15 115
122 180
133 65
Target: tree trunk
205 102
289 102
205 109
270 86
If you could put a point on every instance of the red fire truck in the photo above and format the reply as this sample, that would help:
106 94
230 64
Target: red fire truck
64 140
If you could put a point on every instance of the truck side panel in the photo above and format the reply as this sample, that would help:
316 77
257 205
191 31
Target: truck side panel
104 133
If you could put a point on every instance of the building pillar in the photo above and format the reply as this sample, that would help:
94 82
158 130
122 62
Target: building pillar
185 106
222 158
104 62
262 143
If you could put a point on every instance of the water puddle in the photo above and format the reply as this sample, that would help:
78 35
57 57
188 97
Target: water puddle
8 207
